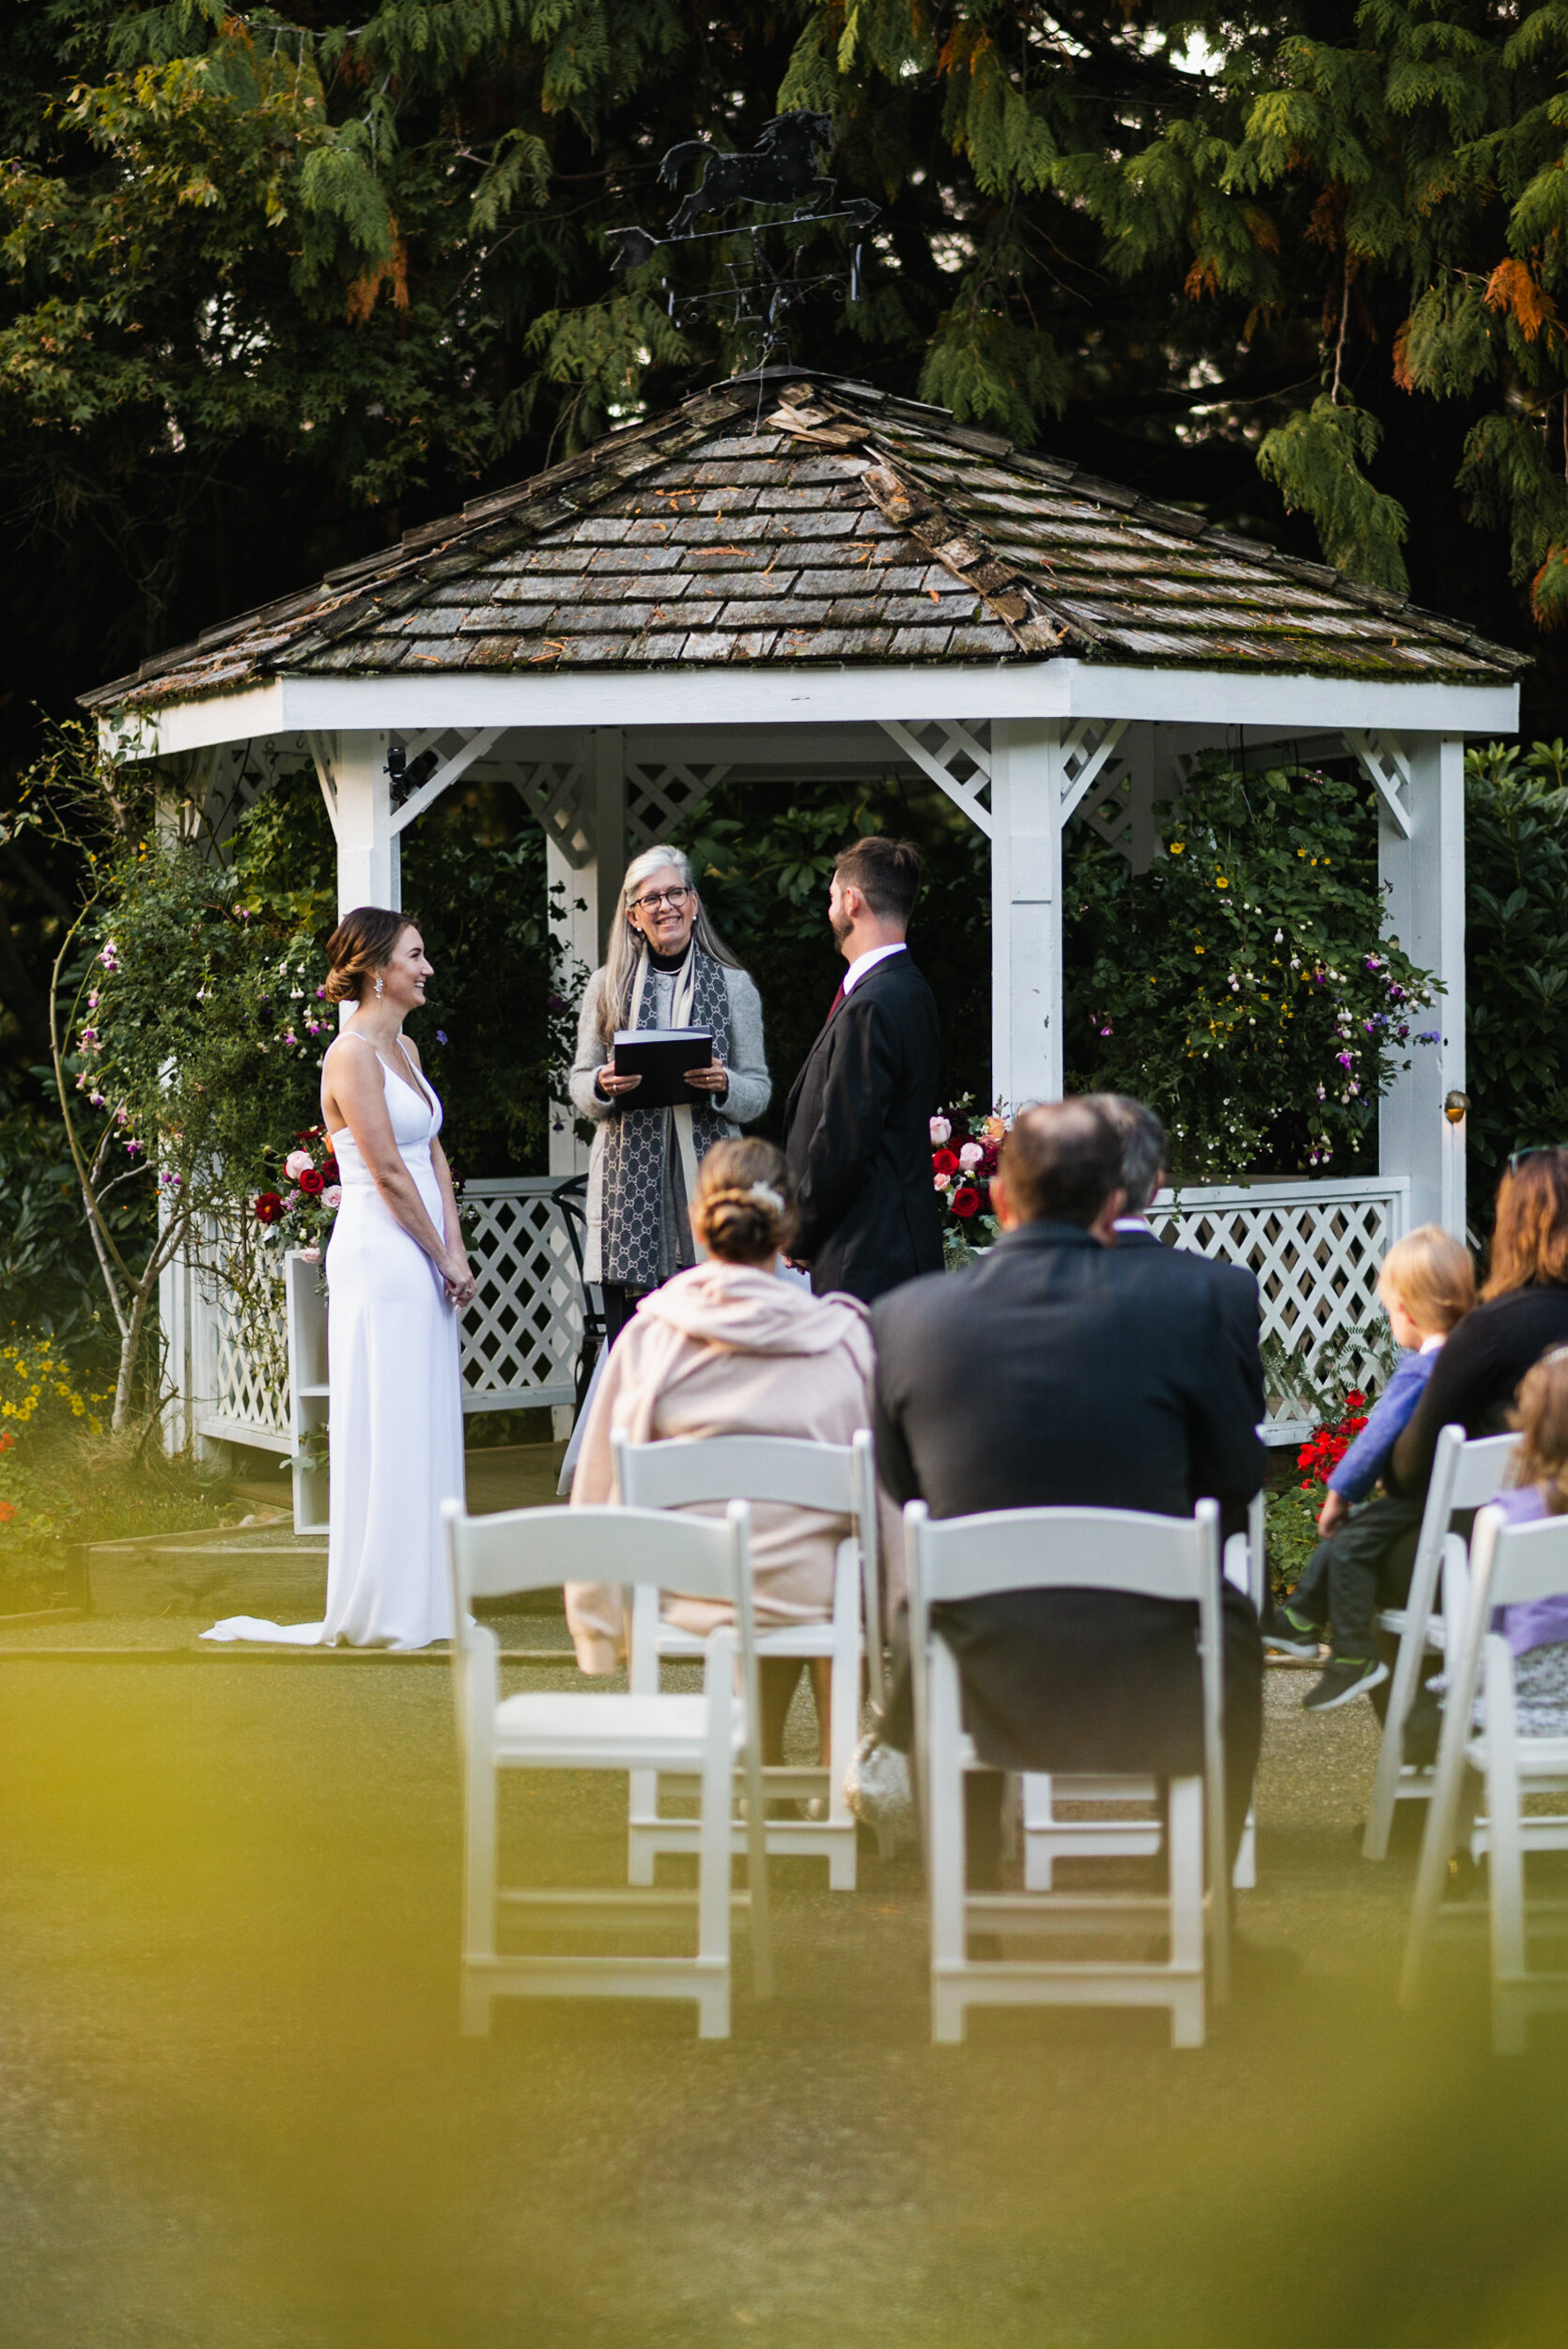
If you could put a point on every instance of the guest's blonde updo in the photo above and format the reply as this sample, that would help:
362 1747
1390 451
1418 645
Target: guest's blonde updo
744 1211
361 945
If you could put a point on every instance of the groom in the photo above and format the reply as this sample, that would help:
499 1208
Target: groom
857 1129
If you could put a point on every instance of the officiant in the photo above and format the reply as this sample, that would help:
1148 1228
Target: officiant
665 968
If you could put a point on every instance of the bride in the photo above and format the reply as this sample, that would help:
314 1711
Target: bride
397 1277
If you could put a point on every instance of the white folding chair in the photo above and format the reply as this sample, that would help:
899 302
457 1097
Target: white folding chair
710 1735
1040 1549
1510 1564
841 1480
1465 1475
1122 1828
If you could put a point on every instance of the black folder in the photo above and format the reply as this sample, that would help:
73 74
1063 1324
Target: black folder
661 1056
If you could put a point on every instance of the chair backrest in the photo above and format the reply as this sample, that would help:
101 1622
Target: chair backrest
1483 1469
534 1549
1037 1549
1526 1561
1121 1551
678 1473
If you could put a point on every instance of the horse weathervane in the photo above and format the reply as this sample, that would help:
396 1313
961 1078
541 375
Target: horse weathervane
782 171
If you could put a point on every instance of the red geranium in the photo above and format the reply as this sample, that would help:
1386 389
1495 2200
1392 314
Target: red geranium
313 1183
1328 1445
966 1202
8 1511
944 1162
6 1440
268 1207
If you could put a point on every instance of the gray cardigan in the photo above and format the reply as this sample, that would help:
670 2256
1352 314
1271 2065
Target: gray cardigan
749 1087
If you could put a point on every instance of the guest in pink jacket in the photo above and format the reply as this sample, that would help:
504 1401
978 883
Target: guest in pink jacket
730 1348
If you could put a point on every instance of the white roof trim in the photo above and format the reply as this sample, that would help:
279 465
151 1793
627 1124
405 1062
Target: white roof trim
775 694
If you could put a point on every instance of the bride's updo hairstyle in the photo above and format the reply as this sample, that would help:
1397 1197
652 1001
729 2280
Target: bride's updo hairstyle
744 1211
361 945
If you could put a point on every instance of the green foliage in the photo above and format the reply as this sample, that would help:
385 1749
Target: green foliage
49 1280
1315 461
765 869
1516 944
1243 984
495 1032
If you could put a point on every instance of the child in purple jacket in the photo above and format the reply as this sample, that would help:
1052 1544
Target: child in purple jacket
1363 1562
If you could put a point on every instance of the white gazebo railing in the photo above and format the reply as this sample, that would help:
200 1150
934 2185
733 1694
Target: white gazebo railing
1315 1249
255 1377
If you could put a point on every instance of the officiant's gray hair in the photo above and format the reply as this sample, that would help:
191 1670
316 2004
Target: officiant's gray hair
625 945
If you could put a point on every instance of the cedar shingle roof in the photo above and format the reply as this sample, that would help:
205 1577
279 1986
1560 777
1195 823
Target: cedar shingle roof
822 522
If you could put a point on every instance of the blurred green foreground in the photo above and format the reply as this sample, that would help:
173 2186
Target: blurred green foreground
236 2113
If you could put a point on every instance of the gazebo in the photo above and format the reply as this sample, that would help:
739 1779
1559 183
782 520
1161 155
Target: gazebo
793 573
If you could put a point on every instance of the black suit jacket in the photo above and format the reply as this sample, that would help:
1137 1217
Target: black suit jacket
857 1132
1058 1372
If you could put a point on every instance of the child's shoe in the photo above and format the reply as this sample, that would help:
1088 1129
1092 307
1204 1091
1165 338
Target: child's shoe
1347 1676
1291 1634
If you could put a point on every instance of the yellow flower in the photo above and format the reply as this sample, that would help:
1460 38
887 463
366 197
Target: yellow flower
1176 848
1221 881
1197 949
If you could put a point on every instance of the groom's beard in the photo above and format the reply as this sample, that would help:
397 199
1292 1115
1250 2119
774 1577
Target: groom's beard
841 927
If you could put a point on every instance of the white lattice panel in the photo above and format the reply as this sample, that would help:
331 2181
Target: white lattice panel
1315 1249
242 1361
522 1334
660 798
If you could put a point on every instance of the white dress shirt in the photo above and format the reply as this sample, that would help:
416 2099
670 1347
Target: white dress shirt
868 961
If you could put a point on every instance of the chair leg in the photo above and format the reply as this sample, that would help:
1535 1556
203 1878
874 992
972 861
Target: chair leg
1185 1881
713 1859
643 1804
945 1797
1506 1857
479 1903
1244 1877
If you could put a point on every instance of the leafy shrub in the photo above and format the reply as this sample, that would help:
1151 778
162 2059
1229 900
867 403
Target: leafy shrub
1243 984
1516 945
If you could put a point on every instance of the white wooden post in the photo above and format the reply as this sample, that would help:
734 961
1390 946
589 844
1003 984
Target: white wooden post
358 789
604 780
1425 876
1026 910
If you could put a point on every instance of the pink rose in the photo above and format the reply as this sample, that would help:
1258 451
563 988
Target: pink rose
311 1255
940 1182
941 1130
970 1155
296 1163
333 1196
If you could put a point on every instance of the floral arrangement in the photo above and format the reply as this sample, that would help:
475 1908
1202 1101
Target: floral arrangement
301 1213
1328 1442
964 1153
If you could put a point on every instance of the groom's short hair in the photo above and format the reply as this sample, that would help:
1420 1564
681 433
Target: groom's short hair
886 873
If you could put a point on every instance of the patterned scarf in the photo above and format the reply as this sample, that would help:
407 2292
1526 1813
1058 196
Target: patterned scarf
637 1142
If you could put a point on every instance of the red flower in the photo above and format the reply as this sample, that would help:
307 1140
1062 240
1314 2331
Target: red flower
313 1183
7 1441
944 1162
966 1202
8 1511
328 1168
990 1153
269 1207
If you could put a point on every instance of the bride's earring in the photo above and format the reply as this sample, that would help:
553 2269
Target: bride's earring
380 986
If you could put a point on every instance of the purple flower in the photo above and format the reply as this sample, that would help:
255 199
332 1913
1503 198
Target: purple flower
441 1035
1344 1059
1374 962
1430 1035
554 1004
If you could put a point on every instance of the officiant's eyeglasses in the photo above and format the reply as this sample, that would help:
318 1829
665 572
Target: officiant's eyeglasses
673 898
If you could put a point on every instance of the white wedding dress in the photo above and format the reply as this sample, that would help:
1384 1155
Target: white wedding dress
394 1411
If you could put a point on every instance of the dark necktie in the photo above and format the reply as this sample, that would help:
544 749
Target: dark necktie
834 1004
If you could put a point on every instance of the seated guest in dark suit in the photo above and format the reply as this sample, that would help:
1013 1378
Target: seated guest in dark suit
1234 1288
1061 1370
857 1129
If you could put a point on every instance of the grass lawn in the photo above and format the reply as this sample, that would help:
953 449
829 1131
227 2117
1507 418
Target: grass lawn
236 2112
